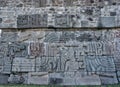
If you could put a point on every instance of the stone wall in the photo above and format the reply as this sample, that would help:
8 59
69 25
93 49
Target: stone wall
64 57
59 13
63 42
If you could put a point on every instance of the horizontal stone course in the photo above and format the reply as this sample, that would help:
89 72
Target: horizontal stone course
70 57
60 17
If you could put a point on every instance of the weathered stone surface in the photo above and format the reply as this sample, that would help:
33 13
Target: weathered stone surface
8 36
3 53
108 78
52 37
71 57
51 50
45 64
31 36
4 79
32 21
66 36
23 65
108 22
37 49
60 55
117 49
38 78
62 20
8 18
7 67
33 16
73 78
18 49
99 64
40 3
18 78
118 76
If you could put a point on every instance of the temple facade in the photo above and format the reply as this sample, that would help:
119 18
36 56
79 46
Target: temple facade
62 42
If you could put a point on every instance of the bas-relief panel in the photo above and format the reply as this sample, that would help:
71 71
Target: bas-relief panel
8 37
108 78
99 64
23 65
3 54
47 64
62 20
31 21
18 49
73 59
93 54
36 49
18 78
31 36
117 50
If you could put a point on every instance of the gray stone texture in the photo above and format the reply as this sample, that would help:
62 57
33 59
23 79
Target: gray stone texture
4 79
71 57
73 78
59 13
32 21
53 54
23 65
18 78
38 78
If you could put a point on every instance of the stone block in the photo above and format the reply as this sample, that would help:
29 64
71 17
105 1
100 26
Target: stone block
99 64
4 79
46 64
51 50
118 21
9 36
75 20
31 36
73 78
62 21
76 78
7 65
8 18
55 78
107 22
52 37
23 65
18 78
84 24
37 49
32 21
118 76
18 49
22 21
40 78
108 78
3 56
67 36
